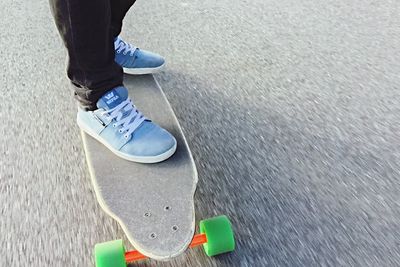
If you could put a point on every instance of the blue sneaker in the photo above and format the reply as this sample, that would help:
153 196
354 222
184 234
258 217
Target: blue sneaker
135 60
125 131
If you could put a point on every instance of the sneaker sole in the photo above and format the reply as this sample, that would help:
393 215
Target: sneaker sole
142 71
140 159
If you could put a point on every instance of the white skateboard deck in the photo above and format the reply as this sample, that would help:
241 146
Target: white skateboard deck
152 202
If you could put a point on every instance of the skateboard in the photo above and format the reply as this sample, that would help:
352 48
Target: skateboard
153 203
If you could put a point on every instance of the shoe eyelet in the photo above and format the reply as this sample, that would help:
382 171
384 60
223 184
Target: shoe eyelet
125 54
126 136
118 51
114 125
120 131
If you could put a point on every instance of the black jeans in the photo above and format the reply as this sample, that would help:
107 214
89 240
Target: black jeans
88 29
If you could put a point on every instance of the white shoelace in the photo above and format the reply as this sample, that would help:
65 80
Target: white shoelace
131 122
122 46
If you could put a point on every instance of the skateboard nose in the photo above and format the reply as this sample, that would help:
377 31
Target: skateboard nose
163 231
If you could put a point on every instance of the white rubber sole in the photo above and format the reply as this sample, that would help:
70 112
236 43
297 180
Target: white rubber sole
142 71
139 159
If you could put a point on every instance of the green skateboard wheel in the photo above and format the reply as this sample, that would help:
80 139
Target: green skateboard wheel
110 254
219 235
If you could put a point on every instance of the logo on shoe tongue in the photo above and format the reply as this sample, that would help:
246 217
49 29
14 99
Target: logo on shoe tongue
110 98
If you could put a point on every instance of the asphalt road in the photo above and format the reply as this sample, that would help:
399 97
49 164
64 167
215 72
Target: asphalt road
291 108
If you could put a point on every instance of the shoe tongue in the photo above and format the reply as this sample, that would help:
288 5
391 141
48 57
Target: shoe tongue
113 98
117 40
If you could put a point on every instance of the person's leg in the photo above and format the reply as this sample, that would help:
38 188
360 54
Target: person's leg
119 8
84 26
110 116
